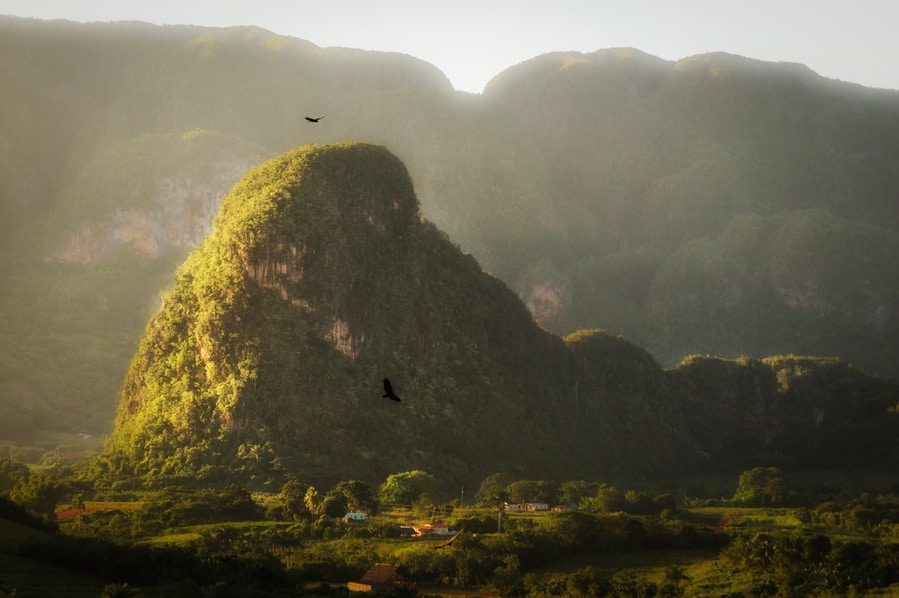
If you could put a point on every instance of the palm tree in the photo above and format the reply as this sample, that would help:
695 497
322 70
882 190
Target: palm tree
676 575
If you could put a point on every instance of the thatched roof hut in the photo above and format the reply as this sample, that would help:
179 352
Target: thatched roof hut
381 577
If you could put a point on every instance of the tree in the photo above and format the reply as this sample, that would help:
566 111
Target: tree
236 503
498 495
12 473
492 486
333 505
359 496
424 506
219 541
676 576
310 499
293 495
405 488
761 486
626 583
574 490
664 502
610 500
533 491
78 502
39 494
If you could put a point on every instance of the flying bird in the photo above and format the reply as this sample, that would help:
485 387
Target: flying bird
388 391
315 119
449 540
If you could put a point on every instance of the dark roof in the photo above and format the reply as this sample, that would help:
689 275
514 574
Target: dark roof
383 574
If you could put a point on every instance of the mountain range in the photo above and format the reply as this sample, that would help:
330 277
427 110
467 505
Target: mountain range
321 279
714 205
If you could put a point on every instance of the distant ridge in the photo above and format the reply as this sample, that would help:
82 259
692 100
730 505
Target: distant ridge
714 205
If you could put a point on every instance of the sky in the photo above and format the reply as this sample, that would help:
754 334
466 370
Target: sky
472 41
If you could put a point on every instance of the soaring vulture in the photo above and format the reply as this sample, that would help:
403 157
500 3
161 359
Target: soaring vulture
388 391
449 540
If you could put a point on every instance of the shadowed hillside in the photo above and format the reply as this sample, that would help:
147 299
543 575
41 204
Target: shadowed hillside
710 205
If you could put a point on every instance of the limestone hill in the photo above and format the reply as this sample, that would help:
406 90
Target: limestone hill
320 278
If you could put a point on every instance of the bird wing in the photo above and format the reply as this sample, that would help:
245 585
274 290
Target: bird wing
450 540
388 391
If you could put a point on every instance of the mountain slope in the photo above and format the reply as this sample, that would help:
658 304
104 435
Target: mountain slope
748 183
85 279
318 280
714 205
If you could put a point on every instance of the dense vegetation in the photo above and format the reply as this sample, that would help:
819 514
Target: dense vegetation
710 206
715 205
770 533
320 279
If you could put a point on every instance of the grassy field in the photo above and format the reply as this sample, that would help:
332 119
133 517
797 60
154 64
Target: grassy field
53 447
67 512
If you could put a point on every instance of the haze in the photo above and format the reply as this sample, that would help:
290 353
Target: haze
473 41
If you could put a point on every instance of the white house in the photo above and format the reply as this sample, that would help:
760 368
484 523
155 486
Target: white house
354 518
433 529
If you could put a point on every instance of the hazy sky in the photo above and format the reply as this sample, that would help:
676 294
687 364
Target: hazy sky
471 41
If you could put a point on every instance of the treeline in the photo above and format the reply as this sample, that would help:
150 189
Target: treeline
719 415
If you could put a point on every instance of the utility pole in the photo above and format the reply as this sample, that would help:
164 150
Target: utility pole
461 495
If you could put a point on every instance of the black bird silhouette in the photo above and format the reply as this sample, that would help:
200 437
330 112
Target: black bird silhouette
388 391
315 119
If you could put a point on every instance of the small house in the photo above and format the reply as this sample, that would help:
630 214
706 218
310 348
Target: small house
354 518
440 529
535 506
433 529
383 577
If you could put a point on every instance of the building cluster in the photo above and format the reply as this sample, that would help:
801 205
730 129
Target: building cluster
539 506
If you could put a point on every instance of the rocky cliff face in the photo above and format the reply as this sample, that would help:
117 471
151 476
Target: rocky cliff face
186 208
167 207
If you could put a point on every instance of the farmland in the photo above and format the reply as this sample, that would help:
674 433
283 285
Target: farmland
174 542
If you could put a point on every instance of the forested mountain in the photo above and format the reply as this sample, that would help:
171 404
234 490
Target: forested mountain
320 278
714 205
